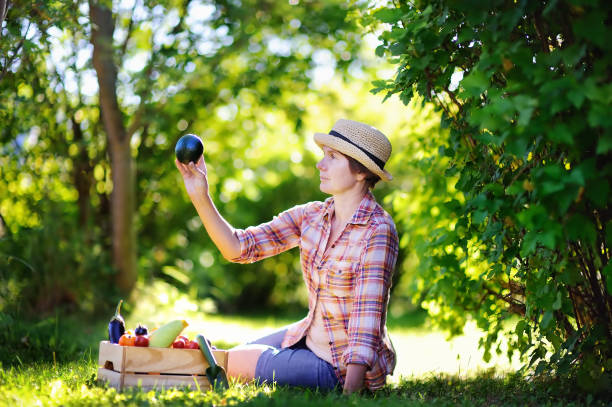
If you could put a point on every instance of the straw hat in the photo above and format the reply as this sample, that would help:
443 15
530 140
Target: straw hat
362 142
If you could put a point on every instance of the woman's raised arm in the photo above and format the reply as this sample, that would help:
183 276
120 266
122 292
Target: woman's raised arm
220 231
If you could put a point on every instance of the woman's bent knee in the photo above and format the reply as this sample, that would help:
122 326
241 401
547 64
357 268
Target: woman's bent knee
242 361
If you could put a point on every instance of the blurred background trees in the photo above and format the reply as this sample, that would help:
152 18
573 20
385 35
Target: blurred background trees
96 94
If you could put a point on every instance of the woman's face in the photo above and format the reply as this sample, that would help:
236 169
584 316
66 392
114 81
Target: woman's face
335 174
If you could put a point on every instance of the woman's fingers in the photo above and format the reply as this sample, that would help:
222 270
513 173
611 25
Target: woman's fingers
188 170
181 167
200 164
199 168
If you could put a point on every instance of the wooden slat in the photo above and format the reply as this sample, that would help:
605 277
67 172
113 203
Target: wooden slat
112 353
151 381
165 360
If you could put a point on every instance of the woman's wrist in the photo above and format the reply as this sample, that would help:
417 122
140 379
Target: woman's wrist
355 374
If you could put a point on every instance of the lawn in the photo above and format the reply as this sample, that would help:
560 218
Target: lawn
54 362
74 383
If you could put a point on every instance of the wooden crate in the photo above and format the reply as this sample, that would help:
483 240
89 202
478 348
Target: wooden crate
128 366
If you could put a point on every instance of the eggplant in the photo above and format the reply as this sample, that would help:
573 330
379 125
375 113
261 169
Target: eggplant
116 326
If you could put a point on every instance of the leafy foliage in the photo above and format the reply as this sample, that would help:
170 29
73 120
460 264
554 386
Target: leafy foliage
242 76
520 217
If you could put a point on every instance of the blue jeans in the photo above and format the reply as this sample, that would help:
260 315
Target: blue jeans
293 366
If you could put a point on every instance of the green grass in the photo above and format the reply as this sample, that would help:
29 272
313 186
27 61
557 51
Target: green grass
54 362
74 384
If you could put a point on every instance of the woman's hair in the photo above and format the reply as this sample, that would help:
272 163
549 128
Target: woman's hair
356 167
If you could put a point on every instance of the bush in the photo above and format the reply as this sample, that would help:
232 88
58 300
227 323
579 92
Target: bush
526 228
54 264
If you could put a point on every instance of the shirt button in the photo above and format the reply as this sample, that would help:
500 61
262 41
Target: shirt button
331 343
333 246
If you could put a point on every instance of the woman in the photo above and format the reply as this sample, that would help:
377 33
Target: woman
348 248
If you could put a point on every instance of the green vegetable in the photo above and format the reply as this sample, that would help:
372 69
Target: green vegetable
165 335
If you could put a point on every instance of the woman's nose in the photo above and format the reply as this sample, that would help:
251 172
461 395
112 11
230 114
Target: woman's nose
320 165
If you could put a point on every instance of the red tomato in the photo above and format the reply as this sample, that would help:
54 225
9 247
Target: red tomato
192 345
178 344
141 340
184 338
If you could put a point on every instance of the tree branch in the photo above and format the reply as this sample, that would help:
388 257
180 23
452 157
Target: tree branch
451 94
515 306
130 30
540 30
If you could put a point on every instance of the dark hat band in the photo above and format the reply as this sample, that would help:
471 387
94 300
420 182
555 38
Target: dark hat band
378 161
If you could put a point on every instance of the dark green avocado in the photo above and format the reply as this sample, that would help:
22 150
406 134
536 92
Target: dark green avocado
189 148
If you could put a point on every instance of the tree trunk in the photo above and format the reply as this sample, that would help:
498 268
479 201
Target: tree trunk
82 174
123 195
3 10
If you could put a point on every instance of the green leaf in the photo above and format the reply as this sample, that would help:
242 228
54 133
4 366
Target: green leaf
560 133
548 238
551 187
389 15
576 96
585 171
533 217
521 328
604 145
599 116
475 83
516 188
525 106
569 275
558 302
529 243
580 228
547 318
598 192
572 54
479 216
518 146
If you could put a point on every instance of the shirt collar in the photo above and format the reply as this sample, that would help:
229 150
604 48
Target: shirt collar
361 215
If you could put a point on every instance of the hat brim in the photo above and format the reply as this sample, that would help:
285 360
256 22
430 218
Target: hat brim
324 139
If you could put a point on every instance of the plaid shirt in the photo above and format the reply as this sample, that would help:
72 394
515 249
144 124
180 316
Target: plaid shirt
350 282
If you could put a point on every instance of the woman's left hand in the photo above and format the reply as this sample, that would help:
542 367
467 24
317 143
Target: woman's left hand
354 378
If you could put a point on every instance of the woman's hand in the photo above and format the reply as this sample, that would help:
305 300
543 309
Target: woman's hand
195 177
354 378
